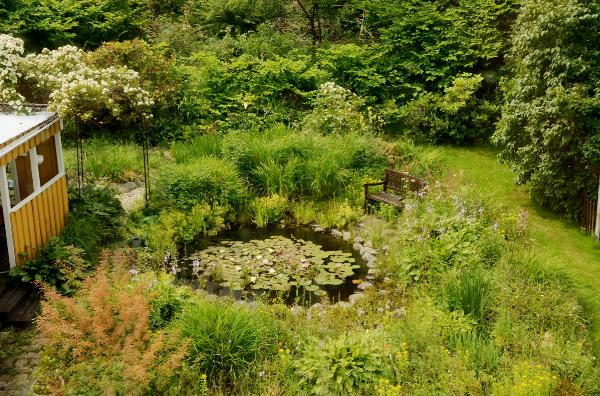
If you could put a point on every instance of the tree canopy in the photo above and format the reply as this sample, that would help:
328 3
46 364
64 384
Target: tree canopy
549 123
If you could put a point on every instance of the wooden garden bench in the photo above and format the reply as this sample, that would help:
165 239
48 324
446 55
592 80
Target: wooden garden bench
396 186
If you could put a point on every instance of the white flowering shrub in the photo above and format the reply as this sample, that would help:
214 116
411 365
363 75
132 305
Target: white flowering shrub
336 110
11 49
72 87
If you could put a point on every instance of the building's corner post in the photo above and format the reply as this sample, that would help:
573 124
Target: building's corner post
35 170
60 158
6 213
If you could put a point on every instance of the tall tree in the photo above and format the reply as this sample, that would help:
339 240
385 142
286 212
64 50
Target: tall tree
549 126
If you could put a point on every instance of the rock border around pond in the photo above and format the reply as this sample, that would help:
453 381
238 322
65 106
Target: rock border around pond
369 254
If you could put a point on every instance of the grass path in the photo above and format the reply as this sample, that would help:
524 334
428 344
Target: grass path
559 245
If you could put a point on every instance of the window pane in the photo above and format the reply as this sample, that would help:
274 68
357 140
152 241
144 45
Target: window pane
23 176
47 154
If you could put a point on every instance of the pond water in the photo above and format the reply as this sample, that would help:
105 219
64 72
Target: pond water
296 264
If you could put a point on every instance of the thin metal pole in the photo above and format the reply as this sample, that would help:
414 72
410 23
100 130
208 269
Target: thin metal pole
79 150
146 159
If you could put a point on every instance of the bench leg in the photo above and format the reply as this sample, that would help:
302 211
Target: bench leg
367 207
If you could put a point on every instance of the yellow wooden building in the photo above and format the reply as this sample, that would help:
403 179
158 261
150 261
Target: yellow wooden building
32 184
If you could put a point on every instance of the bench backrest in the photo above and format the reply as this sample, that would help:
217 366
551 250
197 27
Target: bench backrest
402 182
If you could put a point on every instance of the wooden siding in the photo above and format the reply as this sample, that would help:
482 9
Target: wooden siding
39 219
51 129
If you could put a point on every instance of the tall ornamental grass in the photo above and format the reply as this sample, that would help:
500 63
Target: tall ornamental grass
227 340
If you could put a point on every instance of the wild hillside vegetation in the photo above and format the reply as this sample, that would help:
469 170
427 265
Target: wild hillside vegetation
275 113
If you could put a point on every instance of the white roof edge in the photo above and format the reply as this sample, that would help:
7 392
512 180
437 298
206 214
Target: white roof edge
13 125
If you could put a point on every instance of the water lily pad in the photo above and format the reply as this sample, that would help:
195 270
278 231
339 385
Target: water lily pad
277 263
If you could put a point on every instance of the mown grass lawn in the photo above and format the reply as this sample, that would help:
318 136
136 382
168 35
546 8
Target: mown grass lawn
558 244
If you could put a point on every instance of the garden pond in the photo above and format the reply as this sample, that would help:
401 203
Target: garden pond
296 264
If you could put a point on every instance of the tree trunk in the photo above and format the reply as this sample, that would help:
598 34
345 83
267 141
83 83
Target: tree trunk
312 18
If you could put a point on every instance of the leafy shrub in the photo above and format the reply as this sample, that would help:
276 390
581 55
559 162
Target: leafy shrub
266 42
73 22
349 364
355 67
95 219
234 16
337 214
205 180
336 111
551 106
166 301
457 116
227 340
174 227
424 45
268 210
246 91
57 264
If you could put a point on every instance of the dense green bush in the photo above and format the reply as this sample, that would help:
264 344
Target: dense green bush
86 23
205 180
458 115
550 113
95 219
233 16
336 110
425 44
173 228
166 301
355 67
246 91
